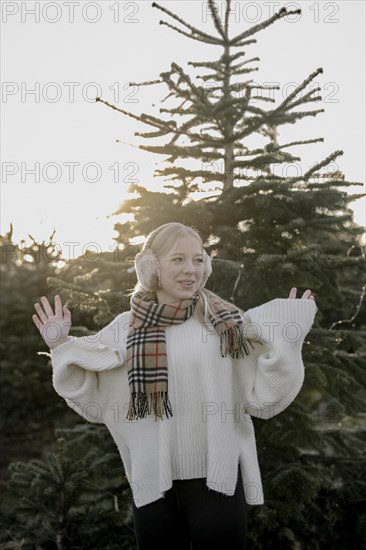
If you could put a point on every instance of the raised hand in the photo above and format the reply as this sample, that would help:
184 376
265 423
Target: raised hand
306 296
53 327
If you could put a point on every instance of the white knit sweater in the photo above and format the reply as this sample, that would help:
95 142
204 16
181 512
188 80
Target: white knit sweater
213 398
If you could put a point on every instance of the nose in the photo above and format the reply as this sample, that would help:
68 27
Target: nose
188 267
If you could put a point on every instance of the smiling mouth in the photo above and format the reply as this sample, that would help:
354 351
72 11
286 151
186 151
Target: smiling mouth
186 283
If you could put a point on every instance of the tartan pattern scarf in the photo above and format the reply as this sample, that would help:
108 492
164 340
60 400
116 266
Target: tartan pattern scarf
146 358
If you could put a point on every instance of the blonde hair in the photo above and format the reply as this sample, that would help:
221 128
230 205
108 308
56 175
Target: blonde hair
161 241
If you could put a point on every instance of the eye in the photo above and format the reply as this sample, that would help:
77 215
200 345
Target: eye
174 259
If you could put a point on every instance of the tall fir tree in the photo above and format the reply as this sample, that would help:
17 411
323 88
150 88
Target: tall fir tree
267 232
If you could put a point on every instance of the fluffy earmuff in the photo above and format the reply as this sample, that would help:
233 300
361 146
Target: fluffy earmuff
148 269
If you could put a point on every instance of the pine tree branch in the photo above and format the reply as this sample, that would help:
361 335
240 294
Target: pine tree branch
320 165
213 76
168 126
234 67
302 142
229 103
183 130
158 133
165 126
243 152
333 183
147 83
185 78
177 110
171 94
282 13
117 108
265 159
198 93
216 19
259 87
261 98
196 33
175 91
180 171
246 43
305 99
301 87
291 118
330 219
205 64
278 116
206 140
271 118
205 40
53 282
355 196
245 71
358 308
225 58
227 16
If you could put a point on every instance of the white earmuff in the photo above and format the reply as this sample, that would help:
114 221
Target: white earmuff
147 269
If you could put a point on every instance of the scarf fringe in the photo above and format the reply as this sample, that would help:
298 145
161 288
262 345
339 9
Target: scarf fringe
141 404
234 343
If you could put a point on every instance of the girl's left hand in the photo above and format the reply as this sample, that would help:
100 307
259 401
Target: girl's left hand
306 296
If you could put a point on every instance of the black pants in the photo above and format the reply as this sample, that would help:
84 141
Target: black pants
193 517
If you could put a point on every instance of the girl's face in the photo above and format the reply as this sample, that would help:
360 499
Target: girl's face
181 270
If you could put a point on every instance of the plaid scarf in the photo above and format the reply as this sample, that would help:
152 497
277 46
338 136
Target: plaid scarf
146 348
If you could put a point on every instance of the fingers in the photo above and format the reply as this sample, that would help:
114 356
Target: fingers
47 307
307 294
67 315
40 312
58 306
62 310
293 292
37 322
47 322
44 315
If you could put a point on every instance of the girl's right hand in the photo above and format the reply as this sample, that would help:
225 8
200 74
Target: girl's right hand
53 327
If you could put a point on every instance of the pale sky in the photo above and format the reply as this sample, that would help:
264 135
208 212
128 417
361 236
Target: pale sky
71 52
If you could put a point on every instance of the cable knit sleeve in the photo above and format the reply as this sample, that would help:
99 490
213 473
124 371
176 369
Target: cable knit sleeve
270 378
79 363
